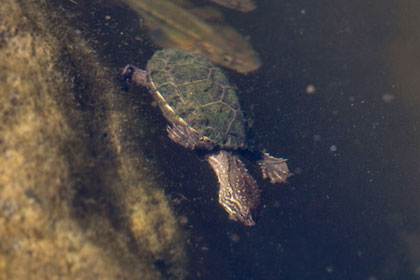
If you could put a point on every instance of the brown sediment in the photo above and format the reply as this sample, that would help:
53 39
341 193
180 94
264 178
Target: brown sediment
77 199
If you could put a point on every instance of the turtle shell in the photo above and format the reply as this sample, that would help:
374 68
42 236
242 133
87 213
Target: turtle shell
191 90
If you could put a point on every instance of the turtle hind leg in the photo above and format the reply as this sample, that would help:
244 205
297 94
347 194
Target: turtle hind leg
188 138
274 168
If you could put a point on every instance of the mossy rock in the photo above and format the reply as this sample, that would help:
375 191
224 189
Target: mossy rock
77 201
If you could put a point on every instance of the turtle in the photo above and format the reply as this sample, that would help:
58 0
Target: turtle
240 5
203 112
203 31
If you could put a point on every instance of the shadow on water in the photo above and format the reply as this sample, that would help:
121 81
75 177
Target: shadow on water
351 211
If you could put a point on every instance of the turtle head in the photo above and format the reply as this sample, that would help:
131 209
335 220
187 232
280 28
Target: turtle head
242 61
133 75
236 53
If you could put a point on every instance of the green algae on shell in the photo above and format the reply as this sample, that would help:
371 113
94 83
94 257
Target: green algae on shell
197 93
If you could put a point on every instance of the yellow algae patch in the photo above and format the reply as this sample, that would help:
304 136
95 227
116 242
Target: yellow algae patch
73 205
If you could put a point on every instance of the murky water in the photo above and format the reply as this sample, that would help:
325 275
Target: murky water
338 95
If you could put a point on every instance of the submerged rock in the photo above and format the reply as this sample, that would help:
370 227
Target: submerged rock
77 200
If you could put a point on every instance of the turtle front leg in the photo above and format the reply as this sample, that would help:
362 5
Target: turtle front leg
188 138
133 75
238 191
274 168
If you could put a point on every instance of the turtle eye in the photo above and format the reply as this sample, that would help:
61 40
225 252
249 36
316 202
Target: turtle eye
227 59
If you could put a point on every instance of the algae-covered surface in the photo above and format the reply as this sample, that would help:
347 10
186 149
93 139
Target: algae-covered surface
91 187
78 197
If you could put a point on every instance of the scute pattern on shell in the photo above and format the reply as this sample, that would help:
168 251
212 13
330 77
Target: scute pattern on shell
199 93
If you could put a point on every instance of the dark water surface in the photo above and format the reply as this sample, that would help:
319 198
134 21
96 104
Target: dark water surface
352 210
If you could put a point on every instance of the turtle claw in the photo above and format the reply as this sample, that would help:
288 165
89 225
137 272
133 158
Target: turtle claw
188 138
178 134
274 168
